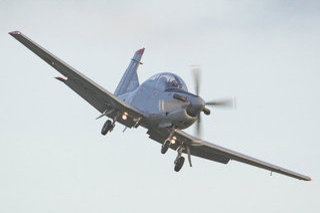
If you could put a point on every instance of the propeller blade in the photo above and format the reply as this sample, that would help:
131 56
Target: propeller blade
227 103
198 126
196 77
223 103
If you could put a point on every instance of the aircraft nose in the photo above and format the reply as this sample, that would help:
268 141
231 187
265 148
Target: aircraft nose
196 105
200 103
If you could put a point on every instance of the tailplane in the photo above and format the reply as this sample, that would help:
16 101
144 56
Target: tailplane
129 80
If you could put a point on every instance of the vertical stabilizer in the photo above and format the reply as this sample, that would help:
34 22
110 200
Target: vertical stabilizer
129 80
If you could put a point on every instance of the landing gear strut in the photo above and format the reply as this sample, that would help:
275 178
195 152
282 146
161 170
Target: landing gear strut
108 126
179 161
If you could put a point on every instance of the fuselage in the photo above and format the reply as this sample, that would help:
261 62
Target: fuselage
157 98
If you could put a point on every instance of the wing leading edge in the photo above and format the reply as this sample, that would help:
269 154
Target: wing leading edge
93 93
201 147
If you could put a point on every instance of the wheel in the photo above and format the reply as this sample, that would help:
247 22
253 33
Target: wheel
106 127
179 164
165 146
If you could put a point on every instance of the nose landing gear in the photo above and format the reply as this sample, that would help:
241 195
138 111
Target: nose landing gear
170 140
165 146
179 161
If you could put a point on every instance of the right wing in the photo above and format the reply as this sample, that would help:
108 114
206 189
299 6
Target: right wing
93 93
205 148
217 153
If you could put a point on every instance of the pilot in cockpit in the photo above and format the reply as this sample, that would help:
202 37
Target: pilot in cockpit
173 84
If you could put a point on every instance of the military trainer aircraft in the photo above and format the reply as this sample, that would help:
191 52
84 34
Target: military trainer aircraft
162 105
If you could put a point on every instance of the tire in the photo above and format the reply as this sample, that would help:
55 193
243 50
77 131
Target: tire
106 127
165 146
179 164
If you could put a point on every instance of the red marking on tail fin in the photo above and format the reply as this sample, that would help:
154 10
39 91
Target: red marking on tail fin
141 51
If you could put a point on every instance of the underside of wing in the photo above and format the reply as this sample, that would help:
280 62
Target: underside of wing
206 148
93 93
160 135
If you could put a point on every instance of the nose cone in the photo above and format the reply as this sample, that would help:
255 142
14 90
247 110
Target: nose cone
196 105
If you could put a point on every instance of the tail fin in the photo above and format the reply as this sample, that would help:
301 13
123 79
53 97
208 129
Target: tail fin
130 81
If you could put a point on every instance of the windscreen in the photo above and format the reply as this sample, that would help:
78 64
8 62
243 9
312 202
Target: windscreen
169 81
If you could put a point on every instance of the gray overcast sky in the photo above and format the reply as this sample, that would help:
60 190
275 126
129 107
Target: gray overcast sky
266 53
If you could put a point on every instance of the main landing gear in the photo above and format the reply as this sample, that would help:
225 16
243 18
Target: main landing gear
107 127
179 161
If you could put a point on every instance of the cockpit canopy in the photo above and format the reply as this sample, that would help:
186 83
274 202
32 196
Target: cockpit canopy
167 81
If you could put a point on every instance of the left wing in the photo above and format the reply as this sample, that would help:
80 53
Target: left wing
94 94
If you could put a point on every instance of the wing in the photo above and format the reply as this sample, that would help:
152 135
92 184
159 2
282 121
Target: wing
160 135
97 96
220 154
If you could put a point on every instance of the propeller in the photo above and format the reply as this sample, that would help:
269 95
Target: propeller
198 126
231 103
225 103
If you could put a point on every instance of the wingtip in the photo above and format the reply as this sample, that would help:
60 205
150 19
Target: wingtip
15 33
